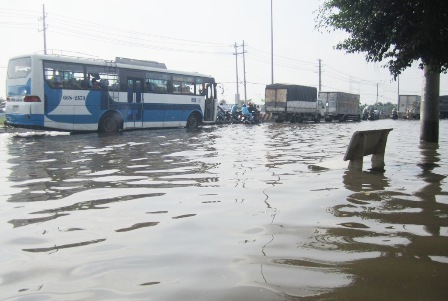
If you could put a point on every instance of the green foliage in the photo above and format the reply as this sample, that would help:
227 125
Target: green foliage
397 32
386 108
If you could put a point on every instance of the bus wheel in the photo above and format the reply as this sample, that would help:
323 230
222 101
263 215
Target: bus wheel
192 121
110 123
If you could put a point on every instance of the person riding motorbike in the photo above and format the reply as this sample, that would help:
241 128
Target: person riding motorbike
254 112
246 115
235 114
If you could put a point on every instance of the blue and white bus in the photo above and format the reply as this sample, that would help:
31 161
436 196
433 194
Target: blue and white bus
80 94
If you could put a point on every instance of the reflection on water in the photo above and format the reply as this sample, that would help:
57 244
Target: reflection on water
223 213
401 229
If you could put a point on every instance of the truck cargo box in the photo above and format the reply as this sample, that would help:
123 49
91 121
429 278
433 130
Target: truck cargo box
277 96
409 106
340 106
292 102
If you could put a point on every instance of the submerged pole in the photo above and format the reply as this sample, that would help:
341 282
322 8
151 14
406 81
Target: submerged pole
429 107
272 46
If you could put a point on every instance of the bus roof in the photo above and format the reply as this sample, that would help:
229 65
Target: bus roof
118 62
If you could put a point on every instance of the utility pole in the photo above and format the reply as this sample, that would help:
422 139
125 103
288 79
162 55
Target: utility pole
237 96
376 93
244 73
44 28
320 75
272 47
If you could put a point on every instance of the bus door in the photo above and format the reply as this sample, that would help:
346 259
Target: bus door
210 103
135 102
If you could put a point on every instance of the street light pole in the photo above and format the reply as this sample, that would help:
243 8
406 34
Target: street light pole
237 96
244 73
44 28
272 47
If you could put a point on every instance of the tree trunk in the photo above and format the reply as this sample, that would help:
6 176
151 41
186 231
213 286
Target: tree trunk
429 107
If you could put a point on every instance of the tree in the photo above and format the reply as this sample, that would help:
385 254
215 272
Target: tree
397 32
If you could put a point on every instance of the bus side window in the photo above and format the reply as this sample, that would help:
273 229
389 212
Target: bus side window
150 87
201 90
73 84
189 88
57 82
85 84
176 88
162 86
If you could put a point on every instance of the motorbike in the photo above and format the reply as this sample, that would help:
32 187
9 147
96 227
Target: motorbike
394 114
255 119
223 116
374 115
226 117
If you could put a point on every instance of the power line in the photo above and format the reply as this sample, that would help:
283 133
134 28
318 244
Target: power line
261 52
68 22
119 36
134 43
18 25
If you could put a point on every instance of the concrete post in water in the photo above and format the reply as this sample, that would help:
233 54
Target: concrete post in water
429 107
365 143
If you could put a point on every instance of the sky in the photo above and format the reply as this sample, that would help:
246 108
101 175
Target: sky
200 36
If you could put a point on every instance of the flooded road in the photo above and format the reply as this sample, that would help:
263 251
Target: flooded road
236 212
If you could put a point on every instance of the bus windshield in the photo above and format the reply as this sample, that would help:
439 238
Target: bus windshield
19 68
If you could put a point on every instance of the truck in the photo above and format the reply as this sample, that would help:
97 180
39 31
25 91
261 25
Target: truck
409 106
340 106
293 103
443 106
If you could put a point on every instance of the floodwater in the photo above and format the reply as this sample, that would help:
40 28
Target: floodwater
256 212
